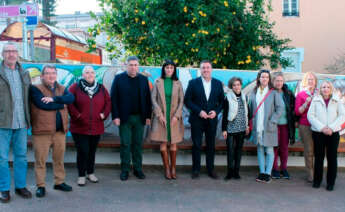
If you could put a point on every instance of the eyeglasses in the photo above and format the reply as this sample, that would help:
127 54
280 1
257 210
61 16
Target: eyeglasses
49 73
10 51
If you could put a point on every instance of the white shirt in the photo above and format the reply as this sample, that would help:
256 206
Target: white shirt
207 87
261 112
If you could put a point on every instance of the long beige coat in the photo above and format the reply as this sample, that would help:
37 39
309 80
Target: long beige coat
158 130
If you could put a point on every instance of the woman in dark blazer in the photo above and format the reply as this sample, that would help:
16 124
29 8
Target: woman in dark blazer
88 112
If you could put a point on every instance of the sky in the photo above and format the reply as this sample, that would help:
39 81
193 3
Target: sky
71 6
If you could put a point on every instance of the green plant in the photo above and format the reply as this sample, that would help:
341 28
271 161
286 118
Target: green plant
233 34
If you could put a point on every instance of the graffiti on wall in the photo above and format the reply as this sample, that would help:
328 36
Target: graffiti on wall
69 74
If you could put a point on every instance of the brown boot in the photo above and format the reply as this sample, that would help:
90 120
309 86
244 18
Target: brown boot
165 159
173 164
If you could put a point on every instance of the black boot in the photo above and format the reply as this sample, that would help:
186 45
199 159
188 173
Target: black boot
238 155
229 175
230 157
237 174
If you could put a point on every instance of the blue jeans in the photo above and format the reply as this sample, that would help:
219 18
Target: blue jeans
265 164
17 138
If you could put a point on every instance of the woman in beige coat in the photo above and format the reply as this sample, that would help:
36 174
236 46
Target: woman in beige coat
167 124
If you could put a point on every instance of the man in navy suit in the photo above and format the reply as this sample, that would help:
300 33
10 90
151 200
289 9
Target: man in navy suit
204 98
131 110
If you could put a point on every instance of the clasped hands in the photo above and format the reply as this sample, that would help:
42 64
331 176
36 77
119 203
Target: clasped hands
211 115
327 131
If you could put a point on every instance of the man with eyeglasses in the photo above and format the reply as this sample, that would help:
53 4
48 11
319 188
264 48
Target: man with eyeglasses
49 119
14 121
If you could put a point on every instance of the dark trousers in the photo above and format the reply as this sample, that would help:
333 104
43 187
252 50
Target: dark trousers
131 134
198 128
86 152
329 145
234 144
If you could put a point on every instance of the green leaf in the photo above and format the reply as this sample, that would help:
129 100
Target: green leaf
193 30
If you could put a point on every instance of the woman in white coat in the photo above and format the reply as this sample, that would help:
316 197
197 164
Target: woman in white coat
326 114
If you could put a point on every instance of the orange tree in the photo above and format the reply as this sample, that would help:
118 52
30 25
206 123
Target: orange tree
233 34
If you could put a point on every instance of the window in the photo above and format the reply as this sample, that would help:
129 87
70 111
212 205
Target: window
296 57
290 8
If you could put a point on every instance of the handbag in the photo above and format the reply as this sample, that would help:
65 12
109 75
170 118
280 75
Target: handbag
250 123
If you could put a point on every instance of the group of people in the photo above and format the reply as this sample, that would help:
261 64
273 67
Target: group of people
46 108
269 115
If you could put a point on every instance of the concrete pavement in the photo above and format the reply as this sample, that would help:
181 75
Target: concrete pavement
184 194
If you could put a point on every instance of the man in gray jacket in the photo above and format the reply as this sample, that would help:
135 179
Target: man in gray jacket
14 122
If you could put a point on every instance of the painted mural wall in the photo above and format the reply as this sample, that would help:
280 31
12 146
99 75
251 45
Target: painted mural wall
69 74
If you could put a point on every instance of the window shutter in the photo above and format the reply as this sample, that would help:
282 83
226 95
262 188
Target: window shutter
294 8
286 10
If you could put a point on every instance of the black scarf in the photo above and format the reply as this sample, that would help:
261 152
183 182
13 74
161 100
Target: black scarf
238 95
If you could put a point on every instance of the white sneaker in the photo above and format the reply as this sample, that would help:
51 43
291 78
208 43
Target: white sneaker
92 178
81 181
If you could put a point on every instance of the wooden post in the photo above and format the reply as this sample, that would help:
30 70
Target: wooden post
53 48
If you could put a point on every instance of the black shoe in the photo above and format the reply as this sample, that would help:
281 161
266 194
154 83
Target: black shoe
139 174
228 176
275 174
260 178
124 176
213 175
63 187
285 174
267 178
5 196
330 187
195 175
237 176
40 192
24 193
316 185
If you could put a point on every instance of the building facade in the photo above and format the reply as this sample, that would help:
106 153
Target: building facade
315 29
78 24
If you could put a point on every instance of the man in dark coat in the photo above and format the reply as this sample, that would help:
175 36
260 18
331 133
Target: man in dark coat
204 98
131 110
